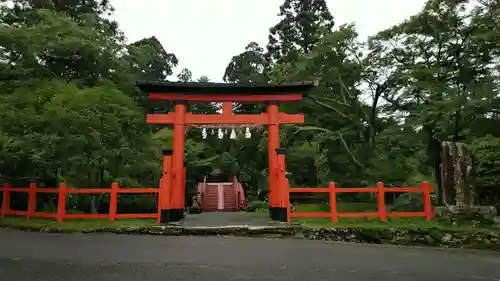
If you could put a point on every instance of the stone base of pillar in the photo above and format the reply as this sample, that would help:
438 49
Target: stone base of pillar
171 215
278 214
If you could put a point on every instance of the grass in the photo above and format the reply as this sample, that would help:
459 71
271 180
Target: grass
73 225
344 207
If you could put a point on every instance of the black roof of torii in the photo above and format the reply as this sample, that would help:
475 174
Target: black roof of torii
224 88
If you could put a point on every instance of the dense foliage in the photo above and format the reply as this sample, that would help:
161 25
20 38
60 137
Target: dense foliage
69 111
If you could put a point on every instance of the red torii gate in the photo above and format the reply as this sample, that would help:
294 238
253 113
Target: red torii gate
173 179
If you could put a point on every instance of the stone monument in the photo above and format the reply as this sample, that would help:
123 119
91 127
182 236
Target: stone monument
457 179
458 187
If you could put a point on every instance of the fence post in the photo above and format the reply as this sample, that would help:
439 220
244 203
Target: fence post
381 201
31 200
113 201
426 193
333 202
61 202
6 200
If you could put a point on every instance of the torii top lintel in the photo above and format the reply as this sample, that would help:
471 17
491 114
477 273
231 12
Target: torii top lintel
221 92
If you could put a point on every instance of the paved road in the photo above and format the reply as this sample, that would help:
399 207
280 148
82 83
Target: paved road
55 257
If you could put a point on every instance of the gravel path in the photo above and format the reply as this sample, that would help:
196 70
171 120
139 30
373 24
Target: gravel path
224 218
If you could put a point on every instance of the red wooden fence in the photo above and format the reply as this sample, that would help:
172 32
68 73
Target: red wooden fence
64 190
382 213
62 193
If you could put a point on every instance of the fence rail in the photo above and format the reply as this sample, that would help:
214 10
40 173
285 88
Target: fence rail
425 188
62 191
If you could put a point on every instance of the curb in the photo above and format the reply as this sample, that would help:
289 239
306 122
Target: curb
395 236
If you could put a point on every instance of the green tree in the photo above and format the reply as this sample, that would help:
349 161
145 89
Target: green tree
297 30
149 60
247 67
443 80
185 75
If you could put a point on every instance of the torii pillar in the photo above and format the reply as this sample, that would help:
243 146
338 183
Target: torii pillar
276 195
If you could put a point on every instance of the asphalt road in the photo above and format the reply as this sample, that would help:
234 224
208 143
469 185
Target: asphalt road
43 257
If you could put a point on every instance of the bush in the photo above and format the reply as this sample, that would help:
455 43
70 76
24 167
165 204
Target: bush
408 202
477 216
256 205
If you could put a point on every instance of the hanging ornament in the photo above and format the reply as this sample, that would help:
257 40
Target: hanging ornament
204 133
248 134
233 134
221 134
